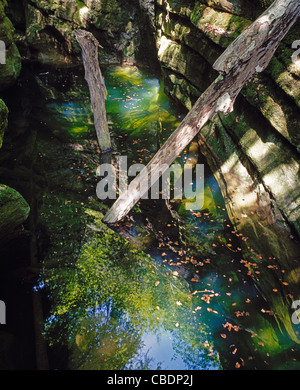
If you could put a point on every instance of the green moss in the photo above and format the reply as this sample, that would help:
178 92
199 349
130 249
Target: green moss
3 120
284 79
188 34
179 7
221 27
263 95
14 210
180 89
7 31
12 68
2 13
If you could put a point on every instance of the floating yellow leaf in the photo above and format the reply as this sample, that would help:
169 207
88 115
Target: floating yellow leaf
211 310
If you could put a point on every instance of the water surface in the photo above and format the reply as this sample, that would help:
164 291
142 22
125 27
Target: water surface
175 294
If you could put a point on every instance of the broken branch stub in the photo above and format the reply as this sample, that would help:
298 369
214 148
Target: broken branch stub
98 93
249 53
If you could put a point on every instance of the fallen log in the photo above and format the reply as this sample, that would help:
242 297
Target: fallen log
251 52
89 46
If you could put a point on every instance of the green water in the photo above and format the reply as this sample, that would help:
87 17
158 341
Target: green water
166 289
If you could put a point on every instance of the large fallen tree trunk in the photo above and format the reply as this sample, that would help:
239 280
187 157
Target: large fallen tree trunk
89 46
251 52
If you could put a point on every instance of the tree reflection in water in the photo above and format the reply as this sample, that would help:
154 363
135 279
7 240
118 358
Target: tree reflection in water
112 298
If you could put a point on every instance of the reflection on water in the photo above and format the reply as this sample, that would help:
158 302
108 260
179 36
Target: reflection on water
182 296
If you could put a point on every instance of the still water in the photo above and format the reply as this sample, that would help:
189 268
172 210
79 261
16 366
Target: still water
167 288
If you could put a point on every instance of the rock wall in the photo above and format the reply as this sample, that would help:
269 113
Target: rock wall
46 29
254 151
14 209
190 35
9 71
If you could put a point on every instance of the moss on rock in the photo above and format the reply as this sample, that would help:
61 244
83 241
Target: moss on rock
180 89
12 68
3 120
14 210
50 26
198 31
221 27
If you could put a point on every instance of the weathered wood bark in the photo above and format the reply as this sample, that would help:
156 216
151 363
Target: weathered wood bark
89 46
251 52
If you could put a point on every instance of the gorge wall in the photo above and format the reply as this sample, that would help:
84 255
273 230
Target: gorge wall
254 151
190 36
45 29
